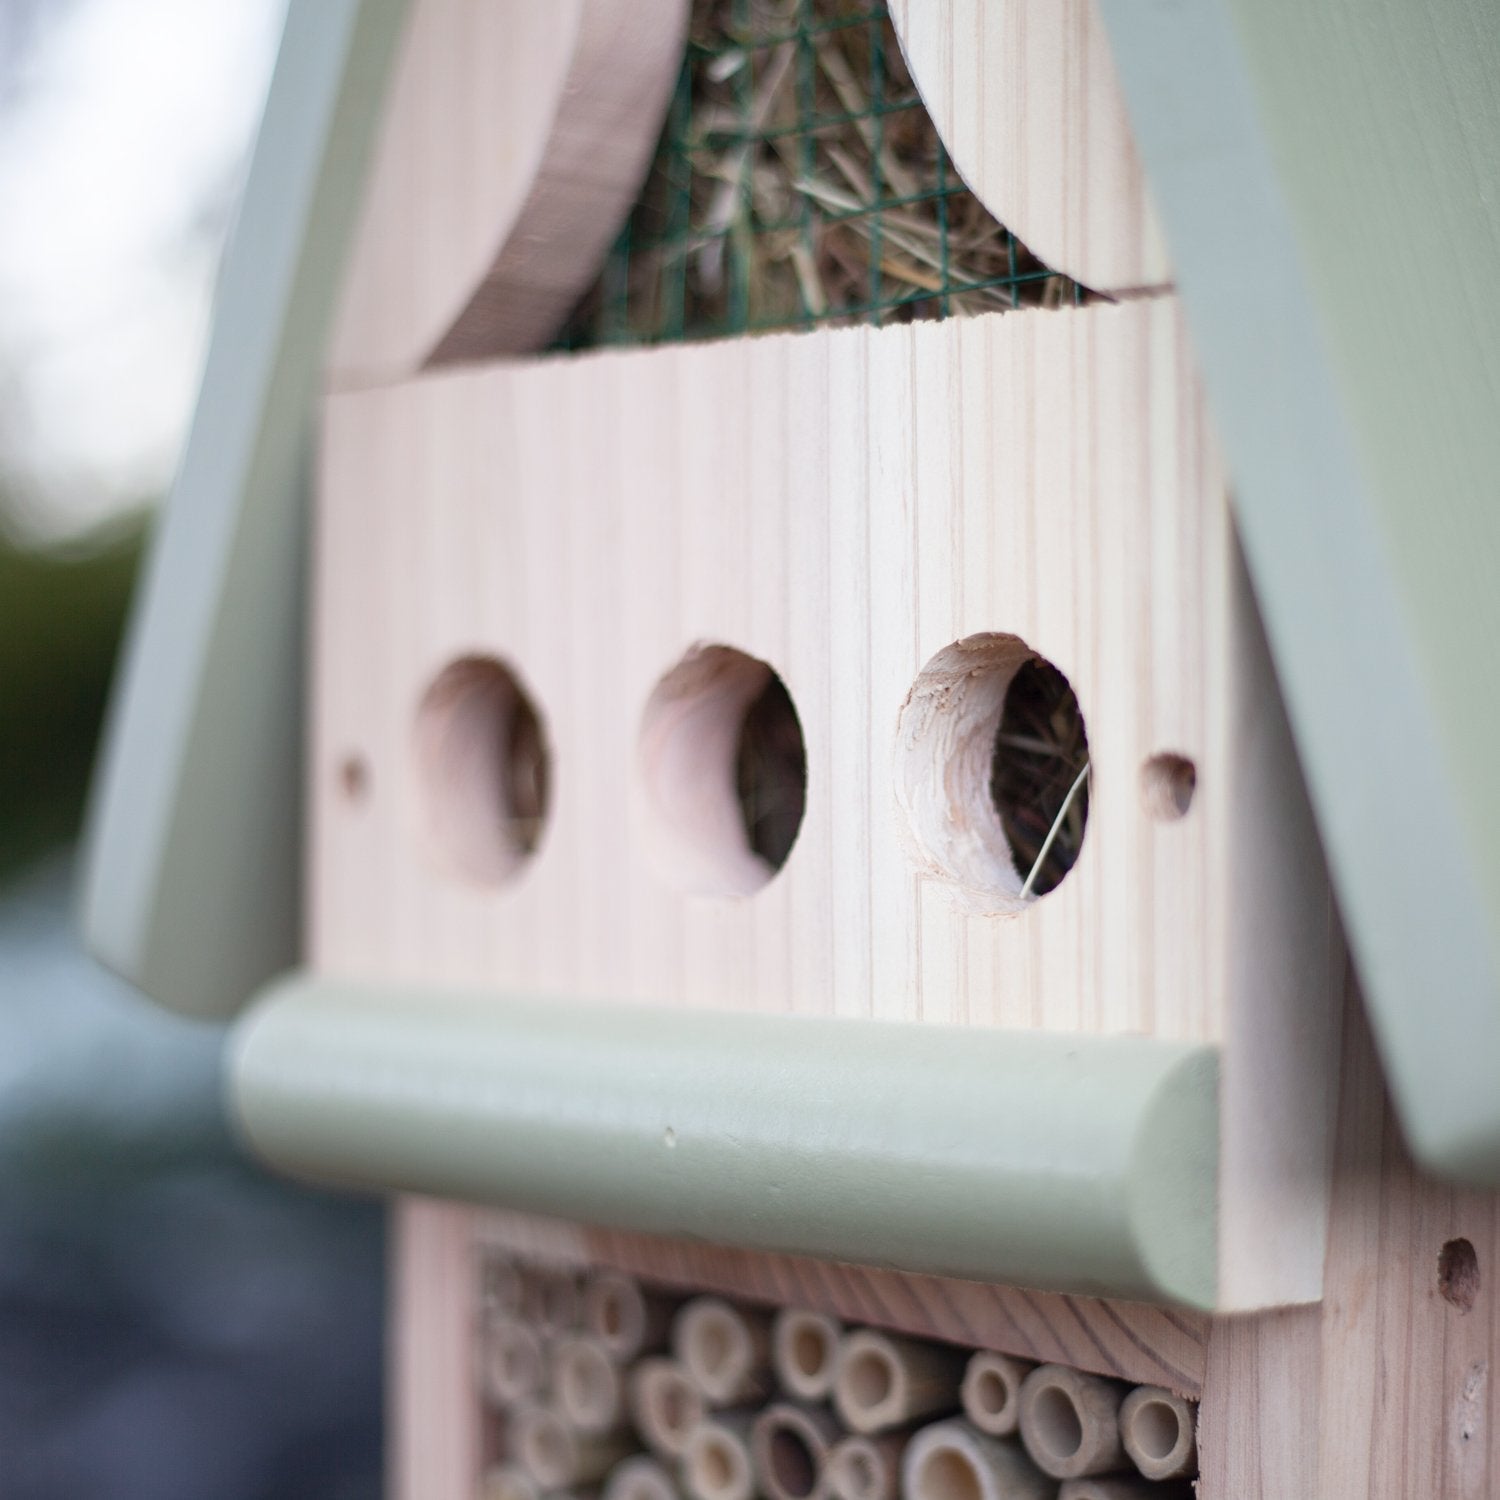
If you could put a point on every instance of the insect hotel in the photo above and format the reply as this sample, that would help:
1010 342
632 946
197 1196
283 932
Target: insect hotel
818 679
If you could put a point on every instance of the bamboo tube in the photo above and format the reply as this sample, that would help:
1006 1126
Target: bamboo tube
626 1321
1123 1487
552 1301
866 1468
953 1460
882 1381
665 1405
717 1464
587 1387
804 1352
502 1288
1070 1422
508 1482
512 1361
991 1391
640 1478
1159 1430
556 1455
724 1350
789 1447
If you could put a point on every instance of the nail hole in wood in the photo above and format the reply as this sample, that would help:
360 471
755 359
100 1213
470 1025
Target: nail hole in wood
1167 785
724 769
1458 1274
992 769
485 770
354 778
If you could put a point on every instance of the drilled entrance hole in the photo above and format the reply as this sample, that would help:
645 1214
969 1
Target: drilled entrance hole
724 771
485 770
1167 785
1156 1429
992 772
1058 1426
1458 1274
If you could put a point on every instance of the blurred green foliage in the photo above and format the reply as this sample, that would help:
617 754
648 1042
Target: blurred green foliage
61 617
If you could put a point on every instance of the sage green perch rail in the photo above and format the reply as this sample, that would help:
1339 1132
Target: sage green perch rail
1073 1163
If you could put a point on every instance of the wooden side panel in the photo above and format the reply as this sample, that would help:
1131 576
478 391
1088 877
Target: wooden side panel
1386 1390
434 1452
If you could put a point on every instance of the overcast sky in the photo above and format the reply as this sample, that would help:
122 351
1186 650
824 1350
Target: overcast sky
124 126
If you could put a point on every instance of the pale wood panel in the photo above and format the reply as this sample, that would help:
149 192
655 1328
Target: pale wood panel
1386 1390
1026 98
435 1447
511 149
842 505
588 520
1130 1340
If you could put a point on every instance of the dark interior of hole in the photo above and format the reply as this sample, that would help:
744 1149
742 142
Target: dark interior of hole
792 1462
1040 749
526 783
1458 1274
771 773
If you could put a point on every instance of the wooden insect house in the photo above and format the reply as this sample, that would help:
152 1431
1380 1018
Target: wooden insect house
790 832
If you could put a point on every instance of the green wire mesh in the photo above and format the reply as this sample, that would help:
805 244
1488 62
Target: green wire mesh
800 182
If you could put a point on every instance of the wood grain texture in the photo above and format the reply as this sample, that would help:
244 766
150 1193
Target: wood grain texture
1025 96
843 506
1386 1389
510 153
1127 1339
435 1448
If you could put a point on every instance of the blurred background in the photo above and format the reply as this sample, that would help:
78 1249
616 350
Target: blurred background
173 1323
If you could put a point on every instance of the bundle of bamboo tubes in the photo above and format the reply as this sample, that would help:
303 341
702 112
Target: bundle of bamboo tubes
602 1386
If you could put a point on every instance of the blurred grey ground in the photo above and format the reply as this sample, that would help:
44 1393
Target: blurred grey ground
173 1324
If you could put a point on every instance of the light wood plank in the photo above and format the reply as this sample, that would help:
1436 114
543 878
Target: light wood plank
1025 97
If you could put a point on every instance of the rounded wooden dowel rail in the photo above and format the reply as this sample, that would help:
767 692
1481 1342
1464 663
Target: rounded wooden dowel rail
665 1404
866 1468
640 1478
884 1381
626 1320
556 1455
587 1386
1070 1422
512 1361
953 1460
991 1391
725 1350
1159 1430
717 1464
804 1351
789 1446
1076 1163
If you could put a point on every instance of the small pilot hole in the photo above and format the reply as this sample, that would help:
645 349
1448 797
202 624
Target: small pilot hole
724 769
354 778
485 769
1458 1274
1167 785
